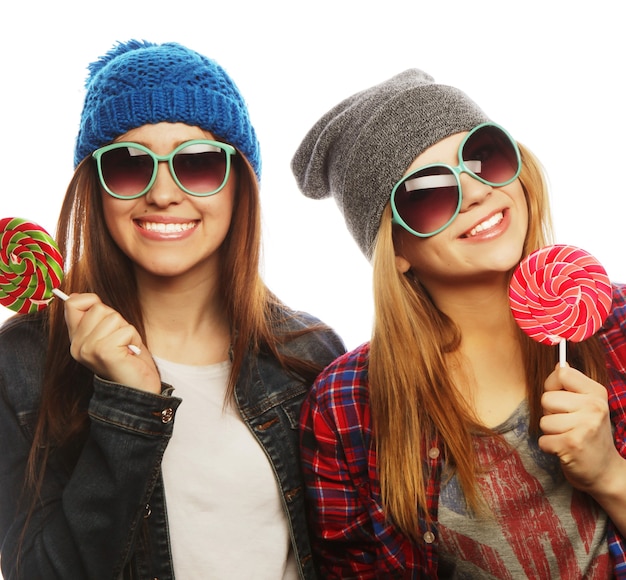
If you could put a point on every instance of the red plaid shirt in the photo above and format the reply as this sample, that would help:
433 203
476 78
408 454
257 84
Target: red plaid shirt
351 537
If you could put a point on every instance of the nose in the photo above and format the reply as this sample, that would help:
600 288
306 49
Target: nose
474 192
164 190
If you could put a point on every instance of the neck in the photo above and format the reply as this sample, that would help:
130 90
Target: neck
488 369
476 307
185 320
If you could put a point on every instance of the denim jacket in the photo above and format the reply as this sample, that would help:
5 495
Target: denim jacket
106 516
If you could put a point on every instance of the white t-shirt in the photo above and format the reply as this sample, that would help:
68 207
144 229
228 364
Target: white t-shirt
224 508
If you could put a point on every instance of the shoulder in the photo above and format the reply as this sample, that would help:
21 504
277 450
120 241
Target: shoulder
337 406
613 332
287 320
618 309
613 338
344 382
305 336
351 366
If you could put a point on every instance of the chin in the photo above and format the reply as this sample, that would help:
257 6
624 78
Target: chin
162 269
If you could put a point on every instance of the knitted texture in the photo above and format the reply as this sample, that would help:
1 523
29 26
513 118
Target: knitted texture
362 147
139 82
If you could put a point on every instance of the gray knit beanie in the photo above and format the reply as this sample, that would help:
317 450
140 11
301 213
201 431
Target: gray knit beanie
362 147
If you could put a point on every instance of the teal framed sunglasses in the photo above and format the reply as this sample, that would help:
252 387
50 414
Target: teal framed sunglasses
200 167
426 201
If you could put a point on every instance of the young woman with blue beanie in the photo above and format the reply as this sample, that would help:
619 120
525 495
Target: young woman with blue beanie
178 458
449 446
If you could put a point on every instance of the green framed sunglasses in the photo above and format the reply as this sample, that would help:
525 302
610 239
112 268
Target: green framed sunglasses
426 201
127 170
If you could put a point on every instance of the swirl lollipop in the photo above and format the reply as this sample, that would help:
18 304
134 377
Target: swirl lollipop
560 293
31 266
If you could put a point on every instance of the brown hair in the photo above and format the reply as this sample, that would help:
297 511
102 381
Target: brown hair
94 263
413 399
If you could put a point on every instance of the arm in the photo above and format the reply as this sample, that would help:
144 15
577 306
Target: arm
577 428
341 533
85 520
85 524
351 536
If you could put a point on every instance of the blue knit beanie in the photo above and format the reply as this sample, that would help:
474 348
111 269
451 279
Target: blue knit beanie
138 83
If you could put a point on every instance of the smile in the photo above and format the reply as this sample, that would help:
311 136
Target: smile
494 220
166 228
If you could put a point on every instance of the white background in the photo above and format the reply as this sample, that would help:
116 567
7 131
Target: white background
552 72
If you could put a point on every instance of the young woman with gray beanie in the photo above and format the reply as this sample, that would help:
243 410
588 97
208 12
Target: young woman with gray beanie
449 446
181 459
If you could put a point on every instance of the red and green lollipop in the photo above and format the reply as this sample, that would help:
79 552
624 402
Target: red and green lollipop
31 266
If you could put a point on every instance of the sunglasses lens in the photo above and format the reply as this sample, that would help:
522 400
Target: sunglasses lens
427 199
200 167
491 155
126 170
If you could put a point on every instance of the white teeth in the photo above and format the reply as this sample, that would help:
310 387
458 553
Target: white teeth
492 221
162 228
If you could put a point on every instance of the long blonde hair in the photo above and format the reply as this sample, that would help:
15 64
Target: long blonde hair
414 403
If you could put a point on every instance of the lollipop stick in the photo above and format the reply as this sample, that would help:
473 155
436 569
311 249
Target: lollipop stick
60 294
63 296
562 355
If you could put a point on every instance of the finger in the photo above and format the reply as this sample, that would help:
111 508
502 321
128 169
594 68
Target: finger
107 346
561 402
94 323
105 349
93 330
550 444
562 438
557 423
583 425
127 338
82 301
75 308
84 314
572 380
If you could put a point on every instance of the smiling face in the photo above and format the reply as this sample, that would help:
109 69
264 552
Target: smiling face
485 239
167 232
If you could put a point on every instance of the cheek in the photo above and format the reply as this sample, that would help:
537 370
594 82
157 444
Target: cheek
228 205
114 212
220 207
410 248
522 204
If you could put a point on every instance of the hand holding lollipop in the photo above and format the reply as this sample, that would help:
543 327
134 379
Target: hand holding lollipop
31 267
560 293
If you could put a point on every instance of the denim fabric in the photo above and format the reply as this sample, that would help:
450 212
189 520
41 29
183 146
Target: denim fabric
106 517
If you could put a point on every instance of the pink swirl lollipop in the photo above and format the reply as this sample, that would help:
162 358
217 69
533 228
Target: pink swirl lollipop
31 266
560 293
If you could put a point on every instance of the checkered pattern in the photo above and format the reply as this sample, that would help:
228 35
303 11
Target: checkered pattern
351 536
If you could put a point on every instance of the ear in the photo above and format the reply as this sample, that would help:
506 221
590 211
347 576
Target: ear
402 264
